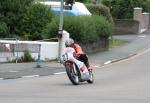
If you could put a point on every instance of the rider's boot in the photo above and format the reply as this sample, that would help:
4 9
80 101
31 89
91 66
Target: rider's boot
90 69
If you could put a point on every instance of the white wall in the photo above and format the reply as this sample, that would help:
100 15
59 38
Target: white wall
48 50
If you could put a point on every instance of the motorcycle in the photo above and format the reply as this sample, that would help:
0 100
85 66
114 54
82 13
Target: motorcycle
75 69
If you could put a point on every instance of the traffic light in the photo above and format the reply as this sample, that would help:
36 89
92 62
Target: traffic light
71 2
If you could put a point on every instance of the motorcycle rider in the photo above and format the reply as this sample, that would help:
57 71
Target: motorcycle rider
81 55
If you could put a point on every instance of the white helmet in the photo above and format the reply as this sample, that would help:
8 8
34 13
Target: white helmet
69 42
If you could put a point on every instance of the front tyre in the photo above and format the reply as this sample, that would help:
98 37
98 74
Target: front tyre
91 78
72 74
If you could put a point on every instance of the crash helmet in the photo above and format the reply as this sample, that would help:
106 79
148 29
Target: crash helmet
69 42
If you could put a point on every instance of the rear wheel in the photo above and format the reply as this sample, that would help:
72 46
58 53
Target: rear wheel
72 74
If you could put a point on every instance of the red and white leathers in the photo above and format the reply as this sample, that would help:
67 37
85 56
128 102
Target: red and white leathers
81 55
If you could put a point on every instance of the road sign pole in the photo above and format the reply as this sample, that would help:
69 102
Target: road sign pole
60 32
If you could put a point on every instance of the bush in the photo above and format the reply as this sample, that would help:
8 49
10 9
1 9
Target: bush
36 18
26 57
82 28
123 9
83 1
147 3
51 30
4 31
23 18
87 29
12 13
100 9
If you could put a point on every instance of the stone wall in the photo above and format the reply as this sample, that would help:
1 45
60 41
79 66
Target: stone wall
143 18
122 26
140 23
94 47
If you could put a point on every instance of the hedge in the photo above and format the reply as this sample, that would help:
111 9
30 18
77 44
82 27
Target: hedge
4 30
123 9
100 9
82 28
23 19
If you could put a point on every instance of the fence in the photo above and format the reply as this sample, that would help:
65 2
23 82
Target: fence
12 49
33 48
7 49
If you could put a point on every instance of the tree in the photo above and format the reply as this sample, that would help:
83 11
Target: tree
36 19
11 13
3 30
23 18
123 9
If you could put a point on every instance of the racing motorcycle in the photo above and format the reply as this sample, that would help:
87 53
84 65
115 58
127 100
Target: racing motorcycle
75 69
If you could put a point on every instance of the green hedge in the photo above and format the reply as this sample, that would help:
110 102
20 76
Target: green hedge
82 28
4 31
36 19
123 9
23 19
100 9
26 57
148 6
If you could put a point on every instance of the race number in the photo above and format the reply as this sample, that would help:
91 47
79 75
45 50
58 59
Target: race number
65 57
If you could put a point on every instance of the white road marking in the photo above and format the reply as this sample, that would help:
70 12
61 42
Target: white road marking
59 73
13 71
30 76
131 58
1 78
142 30
142 36
95 66
108 62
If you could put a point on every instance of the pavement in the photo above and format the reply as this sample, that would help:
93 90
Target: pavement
136 44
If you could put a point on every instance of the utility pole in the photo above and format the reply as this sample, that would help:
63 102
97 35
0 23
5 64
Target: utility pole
63 35
60 32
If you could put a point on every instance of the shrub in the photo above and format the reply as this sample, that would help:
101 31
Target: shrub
51 29
147 3
23 18
100 9
12 13
83 28
26 57
4 31
36 18
87 29
83 1
123 9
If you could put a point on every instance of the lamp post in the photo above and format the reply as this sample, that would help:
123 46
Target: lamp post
60 32
63 35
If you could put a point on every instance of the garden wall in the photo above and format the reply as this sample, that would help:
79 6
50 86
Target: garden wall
98 46
122 26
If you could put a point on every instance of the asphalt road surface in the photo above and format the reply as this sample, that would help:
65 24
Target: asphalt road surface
127 81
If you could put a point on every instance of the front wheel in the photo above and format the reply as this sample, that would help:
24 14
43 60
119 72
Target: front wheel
72 74
91 78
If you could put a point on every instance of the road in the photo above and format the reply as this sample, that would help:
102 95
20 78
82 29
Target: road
136 43
127 81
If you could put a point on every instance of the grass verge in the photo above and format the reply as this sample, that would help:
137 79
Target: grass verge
116 43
